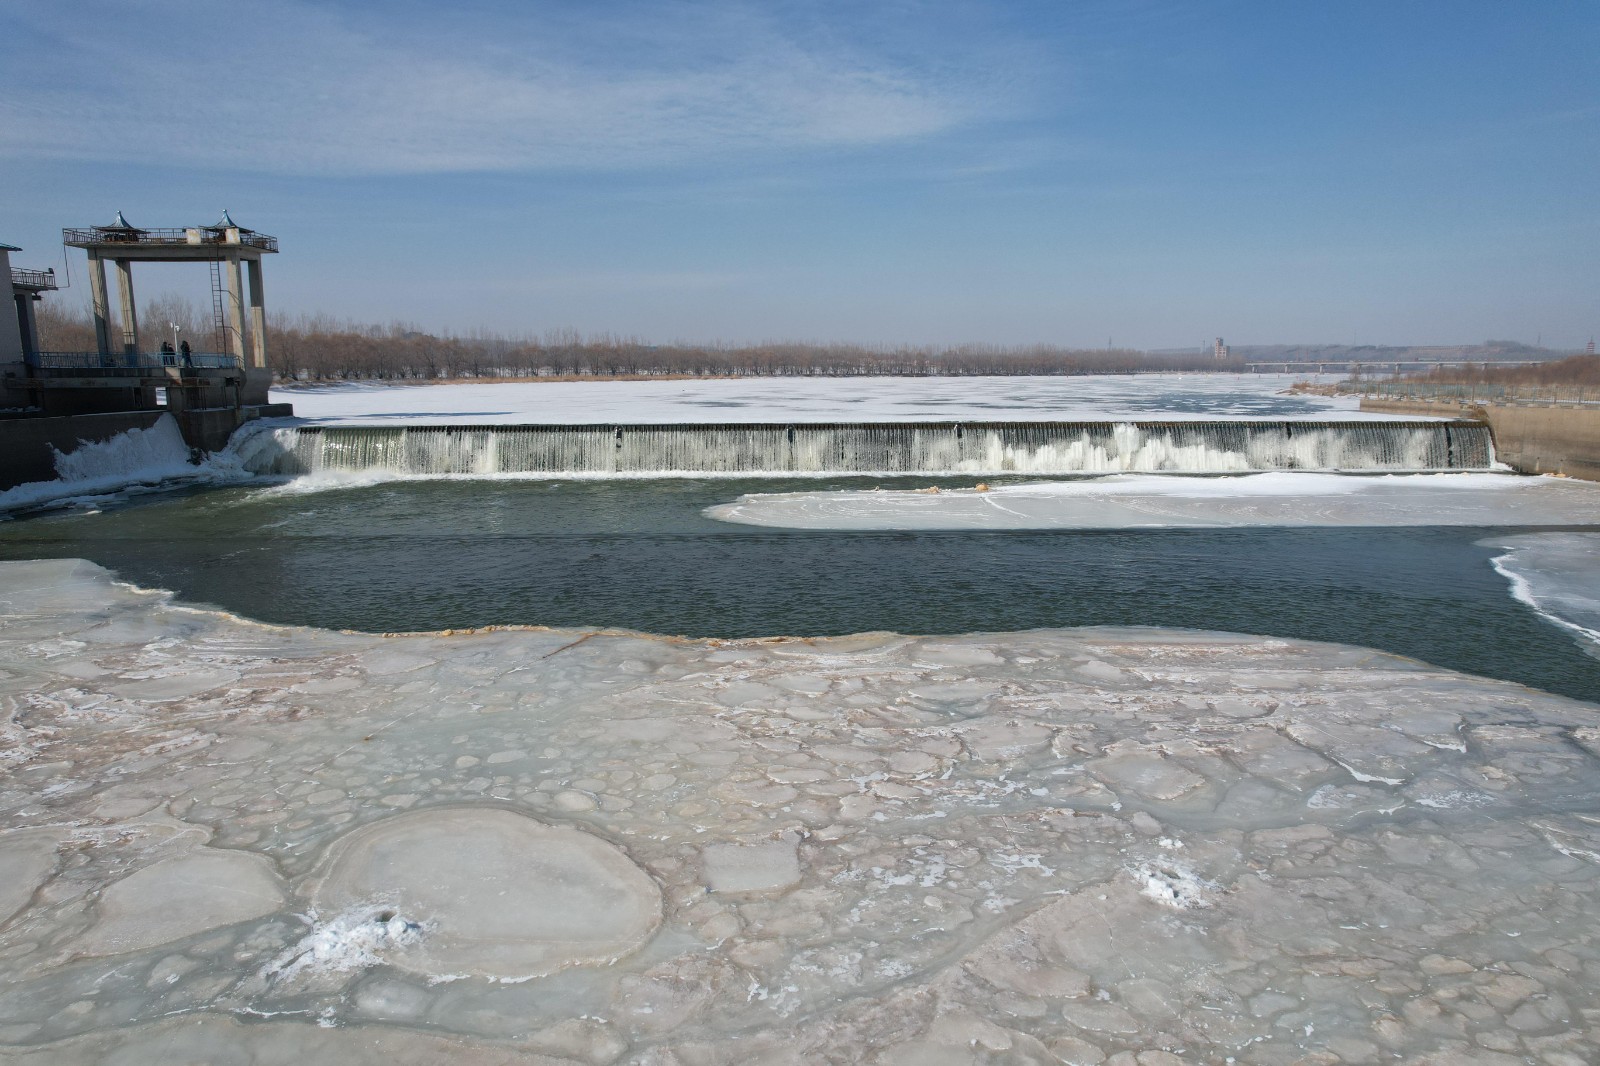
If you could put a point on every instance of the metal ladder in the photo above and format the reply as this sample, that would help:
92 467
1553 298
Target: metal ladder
219 308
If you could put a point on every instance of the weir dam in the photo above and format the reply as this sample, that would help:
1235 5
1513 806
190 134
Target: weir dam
976 448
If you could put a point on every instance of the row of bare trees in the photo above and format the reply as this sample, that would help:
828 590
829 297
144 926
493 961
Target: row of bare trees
1578 370
320 348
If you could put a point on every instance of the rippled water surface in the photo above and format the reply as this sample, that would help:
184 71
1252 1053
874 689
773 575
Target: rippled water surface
420 555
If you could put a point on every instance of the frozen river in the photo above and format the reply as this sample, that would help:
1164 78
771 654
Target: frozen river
236 843
997 399
1277 768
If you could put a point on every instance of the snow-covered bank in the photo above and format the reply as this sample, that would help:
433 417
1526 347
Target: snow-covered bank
1558 575
785 400
1129 502
233 842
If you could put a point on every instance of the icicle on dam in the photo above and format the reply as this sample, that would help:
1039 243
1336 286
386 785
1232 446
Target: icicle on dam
875 448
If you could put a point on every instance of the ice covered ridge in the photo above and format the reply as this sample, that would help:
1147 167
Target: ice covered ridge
1128 502
132 461
135 457
225 842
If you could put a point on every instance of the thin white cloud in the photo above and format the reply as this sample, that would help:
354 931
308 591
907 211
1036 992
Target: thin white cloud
293 88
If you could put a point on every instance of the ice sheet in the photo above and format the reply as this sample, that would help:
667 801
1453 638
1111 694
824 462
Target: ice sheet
1143 501
1009 399
999 848
1558 575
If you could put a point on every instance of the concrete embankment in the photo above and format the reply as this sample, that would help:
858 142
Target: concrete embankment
1527 437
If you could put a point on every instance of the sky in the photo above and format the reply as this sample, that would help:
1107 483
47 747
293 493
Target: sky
1142 173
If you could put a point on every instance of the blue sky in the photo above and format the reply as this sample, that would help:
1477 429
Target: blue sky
1153 173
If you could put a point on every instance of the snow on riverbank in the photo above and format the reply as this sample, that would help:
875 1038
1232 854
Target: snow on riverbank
534 846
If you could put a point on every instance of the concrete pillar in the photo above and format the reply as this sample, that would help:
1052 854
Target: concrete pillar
11 342
97 294
28 323
236 308
130 316
258 318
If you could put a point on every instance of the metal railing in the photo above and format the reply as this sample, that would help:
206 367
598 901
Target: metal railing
1471 393
119 361
205 235
33 279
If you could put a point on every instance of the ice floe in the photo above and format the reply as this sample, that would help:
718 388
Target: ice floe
501 894
1277 498
1558 575
1126 847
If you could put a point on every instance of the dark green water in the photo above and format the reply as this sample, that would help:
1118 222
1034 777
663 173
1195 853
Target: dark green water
639 555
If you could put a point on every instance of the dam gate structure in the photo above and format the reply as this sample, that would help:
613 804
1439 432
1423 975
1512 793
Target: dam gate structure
767 449
209 392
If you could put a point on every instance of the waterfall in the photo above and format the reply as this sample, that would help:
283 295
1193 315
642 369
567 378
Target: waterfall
992 448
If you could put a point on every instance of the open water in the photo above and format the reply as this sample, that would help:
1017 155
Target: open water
430 554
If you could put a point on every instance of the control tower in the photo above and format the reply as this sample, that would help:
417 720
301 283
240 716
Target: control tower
210 392
226 247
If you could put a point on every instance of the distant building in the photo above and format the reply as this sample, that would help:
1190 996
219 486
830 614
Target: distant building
1590 349
1221 351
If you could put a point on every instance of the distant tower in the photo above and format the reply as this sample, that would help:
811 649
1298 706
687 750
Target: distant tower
1590 349
1220 351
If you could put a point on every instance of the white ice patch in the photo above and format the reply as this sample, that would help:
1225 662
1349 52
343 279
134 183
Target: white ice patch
354 939
1558 575
1452 799
1277 498
1173 884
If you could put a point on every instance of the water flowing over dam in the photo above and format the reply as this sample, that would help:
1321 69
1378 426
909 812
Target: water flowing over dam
1043 448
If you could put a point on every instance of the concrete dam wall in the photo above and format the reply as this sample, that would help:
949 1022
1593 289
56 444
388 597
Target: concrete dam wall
987 448
1527 437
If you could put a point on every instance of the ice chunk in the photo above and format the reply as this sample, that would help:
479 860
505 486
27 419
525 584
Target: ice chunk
26 858
750 867
500 894
181 896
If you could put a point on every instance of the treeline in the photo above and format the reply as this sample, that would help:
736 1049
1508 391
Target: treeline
1579 370
319 348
